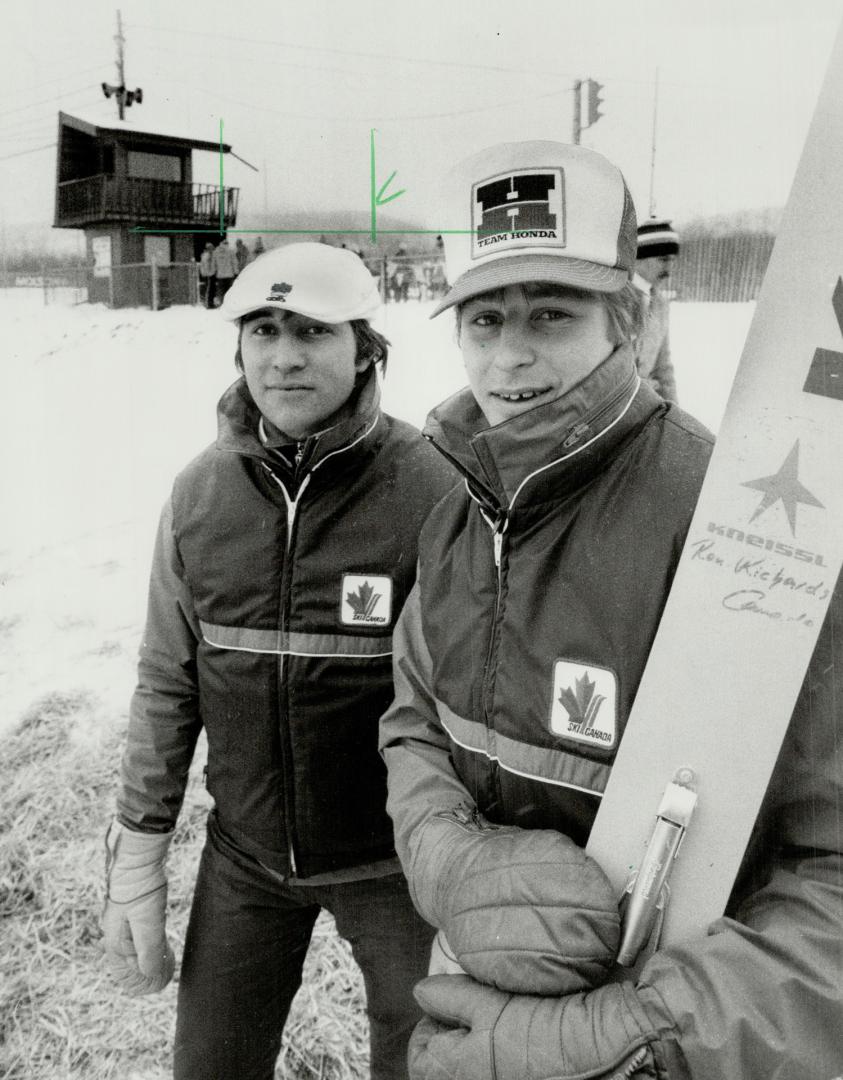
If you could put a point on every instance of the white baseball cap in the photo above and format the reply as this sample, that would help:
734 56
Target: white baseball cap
323 282
537 211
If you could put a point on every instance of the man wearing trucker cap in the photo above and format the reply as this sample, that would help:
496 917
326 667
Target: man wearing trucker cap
517 657
283 558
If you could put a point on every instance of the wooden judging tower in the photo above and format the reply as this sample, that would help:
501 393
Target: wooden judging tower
114 178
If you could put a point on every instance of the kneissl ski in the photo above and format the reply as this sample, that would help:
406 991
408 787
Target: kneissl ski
756 575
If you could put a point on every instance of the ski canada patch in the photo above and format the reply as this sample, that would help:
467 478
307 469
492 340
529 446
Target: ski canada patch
366 600
584 705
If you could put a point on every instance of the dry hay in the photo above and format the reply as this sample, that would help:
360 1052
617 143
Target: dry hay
60 1017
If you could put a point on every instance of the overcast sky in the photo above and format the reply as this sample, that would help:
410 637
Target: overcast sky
299 86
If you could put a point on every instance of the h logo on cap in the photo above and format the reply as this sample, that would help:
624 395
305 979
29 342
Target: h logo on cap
518 208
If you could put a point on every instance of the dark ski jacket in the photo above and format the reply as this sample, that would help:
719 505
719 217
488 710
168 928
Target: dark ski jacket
274 592
518 655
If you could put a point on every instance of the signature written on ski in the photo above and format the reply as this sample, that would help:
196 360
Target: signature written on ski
762 586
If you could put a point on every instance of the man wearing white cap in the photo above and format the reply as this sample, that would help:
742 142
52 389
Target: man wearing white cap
541 582
283 558
658 247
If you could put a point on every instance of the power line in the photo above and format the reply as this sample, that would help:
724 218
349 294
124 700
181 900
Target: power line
234 57
61 78
352 52
368 118
48 101
23 125
623 81
50 146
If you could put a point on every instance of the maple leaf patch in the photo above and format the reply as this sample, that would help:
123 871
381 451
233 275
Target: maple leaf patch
366 600
584 703
363 602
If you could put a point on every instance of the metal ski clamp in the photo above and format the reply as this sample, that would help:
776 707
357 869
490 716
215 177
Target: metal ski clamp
647 891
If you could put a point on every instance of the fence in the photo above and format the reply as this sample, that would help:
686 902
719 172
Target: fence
149 284
725 269
710 268
722 268
153 285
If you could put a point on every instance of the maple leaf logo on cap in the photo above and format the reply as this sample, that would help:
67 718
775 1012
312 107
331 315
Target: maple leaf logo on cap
279 291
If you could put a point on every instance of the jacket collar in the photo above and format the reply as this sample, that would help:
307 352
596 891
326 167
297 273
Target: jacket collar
238 419
543 452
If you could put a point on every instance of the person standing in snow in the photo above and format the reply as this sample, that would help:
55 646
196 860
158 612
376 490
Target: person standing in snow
658 248
241 254
207 280
258 249
283 558
541 583
225 268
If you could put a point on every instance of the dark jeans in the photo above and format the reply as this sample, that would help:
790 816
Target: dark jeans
223 285
207 290
243 955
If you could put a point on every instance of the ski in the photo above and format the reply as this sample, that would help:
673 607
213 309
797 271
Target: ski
753 584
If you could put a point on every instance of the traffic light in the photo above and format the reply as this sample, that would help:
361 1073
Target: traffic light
134 95
594 101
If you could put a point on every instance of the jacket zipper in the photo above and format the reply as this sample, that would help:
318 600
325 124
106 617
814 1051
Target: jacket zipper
292 507
499 524
584 426
498 527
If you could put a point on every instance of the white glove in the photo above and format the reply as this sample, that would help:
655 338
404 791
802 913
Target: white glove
133 922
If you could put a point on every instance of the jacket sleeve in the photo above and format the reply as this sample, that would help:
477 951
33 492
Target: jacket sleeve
662 374
421 778
164 718
761 997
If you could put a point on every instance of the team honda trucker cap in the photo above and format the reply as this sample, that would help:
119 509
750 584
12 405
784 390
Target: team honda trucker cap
536 211
323 282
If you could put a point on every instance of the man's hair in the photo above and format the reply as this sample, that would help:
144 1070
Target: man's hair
626 308
371 345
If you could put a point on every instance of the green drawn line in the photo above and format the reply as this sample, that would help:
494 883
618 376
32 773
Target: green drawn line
375 200
373 232
222 187
314 232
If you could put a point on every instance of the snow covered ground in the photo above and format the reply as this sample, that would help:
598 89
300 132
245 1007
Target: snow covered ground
103 408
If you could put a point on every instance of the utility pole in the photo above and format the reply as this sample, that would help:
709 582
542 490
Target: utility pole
577 112
121 81
124 97
653 152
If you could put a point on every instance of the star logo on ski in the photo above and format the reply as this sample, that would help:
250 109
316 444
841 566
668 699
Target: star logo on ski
582 707
785 486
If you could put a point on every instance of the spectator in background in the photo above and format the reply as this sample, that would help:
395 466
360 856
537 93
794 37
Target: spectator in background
258 249
207 281
241 254
225 268
658 246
